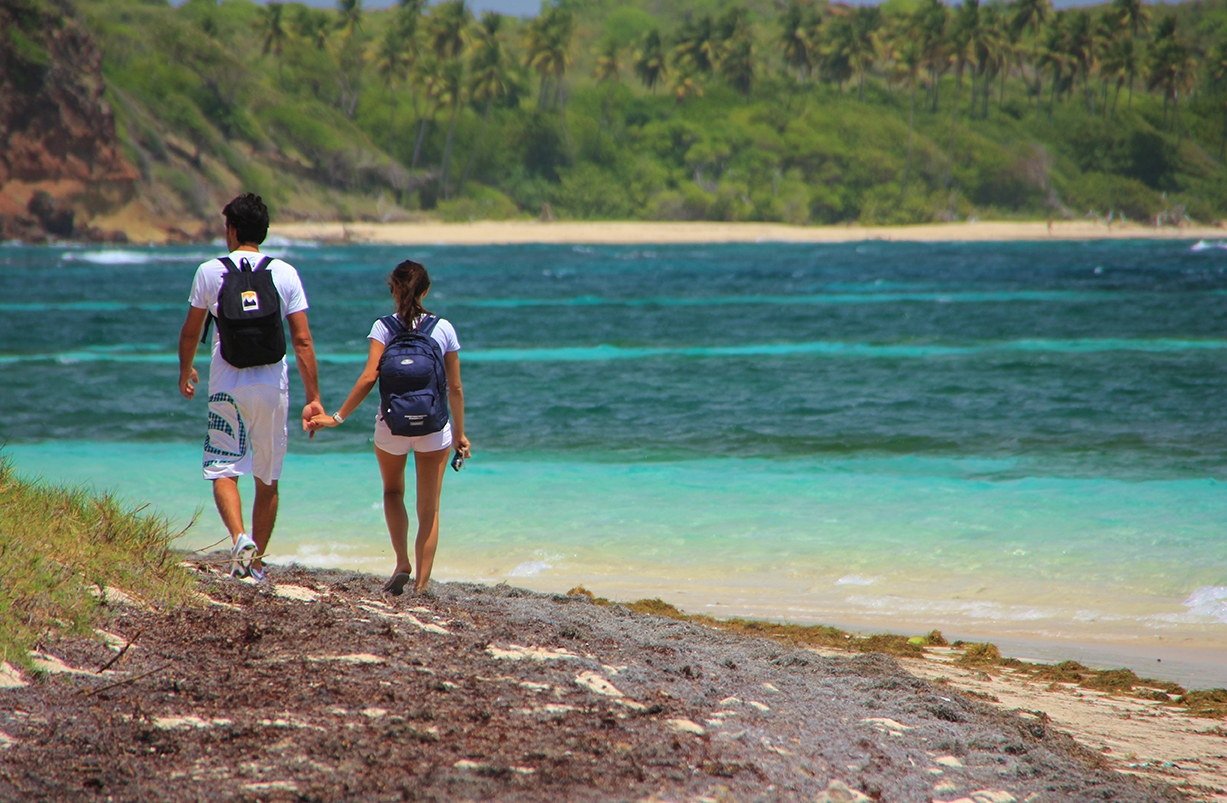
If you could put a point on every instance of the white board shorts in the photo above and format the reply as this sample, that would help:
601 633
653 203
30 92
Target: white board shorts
247 433
402 445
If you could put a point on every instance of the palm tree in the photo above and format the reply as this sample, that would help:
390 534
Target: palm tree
1132 15
1030 16
447 36
392 65
736 59
1216 66
1080 46
272 33
447 31
548 51
1120 62
865 46
990 53
608 69
450 93
349 17
966 24
930 24
907 54
837 37
1171 69
490 79
405 26
350 56
697 50
1055 55
425 75
608 61
795 45
852 44
649 64
312 25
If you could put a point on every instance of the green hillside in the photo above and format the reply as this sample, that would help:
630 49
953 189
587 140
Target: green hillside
658 109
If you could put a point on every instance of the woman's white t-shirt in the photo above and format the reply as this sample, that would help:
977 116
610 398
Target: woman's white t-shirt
444 334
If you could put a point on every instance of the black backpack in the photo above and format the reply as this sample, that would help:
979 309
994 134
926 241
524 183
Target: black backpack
412 379
248 315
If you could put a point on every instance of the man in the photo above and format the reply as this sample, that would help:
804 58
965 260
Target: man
247 429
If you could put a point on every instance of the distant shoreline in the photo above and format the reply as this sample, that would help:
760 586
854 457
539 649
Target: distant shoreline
520 232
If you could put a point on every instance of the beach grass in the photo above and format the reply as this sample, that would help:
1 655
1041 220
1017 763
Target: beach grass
64 551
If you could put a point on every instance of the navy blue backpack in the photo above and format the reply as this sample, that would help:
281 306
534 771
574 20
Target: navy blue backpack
412 381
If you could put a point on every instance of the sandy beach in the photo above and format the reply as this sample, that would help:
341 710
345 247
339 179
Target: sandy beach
315 686
489 232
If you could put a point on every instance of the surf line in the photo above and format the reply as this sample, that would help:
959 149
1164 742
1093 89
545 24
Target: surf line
823 348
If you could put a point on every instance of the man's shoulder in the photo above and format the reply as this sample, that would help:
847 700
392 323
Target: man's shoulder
280 267
213 264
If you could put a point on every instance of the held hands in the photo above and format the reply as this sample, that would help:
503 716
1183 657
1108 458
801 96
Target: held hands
320 421
310 413
187 384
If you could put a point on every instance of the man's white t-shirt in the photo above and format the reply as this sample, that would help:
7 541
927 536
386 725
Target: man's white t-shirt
205 288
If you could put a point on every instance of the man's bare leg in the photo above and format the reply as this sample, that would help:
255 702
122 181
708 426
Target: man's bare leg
229 505
263 517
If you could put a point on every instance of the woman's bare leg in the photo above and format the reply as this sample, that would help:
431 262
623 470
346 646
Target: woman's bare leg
430 467
392 468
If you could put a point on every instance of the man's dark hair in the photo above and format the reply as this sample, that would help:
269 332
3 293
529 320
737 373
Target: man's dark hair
249 217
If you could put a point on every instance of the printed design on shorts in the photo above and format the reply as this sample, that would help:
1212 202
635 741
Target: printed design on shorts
251 301
226 439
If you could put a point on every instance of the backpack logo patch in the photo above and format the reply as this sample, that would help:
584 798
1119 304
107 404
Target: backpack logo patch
251 301
406 362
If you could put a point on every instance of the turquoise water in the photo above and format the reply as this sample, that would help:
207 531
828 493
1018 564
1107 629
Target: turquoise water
1024 440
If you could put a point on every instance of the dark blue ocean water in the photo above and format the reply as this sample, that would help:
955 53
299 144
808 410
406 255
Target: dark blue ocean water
812 430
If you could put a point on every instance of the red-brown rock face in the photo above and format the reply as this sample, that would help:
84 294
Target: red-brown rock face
58 151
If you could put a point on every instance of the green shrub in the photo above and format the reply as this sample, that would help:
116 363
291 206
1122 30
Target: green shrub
1103 193
688 202
587 192
478 203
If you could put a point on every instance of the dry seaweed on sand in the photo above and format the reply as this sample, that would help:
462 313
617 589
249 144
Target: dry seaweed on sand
317 687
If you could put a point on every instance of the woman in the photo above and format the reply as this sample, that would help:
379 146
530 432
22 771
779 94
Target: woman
410 284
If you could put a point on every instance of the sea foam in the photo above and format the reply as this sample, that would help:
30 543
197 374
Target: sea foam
1208 601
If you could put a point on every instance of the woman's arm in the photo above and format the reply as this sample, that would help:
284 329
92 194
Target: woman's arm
455 402
366 381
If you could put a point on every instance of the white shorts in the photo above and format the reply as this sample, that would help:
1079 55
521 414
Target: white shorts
247 433
400 444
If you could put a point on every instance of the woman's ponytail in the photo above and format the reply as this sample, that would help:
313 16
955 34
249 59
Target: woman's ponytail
409 281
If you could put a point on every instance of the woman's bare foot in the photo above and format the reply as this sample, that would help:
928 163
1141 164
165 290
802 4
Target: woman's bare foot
396 585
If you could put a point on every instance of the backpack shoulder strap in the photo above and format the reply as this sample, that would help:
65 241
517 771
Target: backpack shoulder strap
230 267
427 325
393 323
263 264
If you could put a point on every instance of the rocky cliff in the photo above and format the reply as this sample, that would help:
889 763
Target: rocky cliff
60 163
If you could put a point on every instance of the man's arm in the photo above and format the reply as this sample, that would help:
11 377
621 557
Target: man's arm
189 337
304 357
